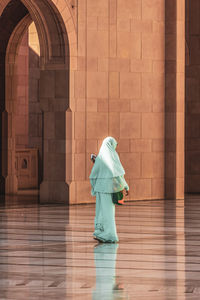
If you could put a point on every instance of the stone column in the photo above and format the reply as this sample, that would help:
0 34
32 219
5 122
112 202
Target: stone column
53 93
8 132
192 101
8 154
174 98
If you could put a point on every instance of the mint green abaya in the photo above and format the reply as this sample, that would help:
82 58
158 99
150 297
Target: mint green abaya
107 177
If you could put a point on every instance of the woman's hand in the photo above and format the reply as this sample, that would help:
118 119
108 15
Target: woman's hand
126 192
93 158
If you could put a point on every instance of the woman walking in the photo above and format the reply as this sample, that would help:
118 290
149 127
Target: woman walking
107 177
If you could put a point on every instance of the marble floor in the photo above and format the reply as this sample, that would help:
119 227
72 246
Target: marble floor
47 251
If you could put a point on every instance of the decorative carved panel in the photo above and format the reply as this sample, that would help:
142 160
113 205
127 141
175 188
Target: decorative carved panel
27 168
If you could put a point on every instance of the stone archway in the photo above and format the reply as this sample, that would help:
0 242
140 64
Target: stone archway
11 83
53 96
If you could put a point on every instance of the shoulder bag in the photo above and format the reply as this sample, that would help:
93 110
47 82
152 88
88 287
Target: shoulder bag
117 198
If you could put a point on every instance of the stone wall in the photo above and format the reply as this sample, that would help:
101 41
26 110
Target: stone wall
28 116
35 113
119 90
21 115
107 67
192 97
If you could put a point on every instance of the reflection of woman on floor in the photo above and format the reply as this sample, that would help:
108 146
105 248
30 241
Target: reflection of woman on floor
105 262
107 177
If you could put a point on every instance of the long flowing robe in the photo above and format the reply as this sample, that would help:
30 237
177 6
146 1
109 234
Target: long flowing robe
107 177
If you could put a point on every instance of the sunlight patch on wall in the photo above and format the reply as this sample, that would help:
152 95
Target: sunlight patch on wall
33 39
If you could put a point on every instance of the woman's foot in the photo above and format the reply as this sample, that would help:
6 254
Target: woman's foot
95 238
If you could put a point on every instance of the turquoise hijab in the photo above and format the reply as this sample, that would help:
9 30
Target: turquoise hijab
107 163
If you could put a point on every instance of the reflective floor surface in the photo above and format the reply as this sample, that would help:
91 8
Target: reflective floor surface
47 252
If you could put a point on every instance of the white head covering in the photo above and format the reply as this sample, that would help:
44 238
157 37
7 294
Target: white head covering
107 163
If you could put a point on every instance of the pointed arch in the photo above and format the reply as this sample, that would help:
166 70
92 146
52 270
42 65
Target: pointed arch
53 94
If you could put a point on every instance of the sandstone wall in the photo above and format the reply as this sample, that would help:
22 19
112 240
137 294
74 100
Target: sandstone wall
21 115
107 67
119 90
192 97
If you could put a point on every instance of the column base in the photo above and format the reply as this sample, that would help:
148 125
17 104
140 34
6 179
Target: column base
174 188
11 185
54 192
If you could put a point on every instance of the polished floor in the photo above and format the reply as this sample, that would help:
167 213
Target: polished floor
47 252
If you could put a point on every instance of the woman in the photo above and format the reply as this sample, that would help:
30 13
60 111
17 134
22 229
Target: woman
107 177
